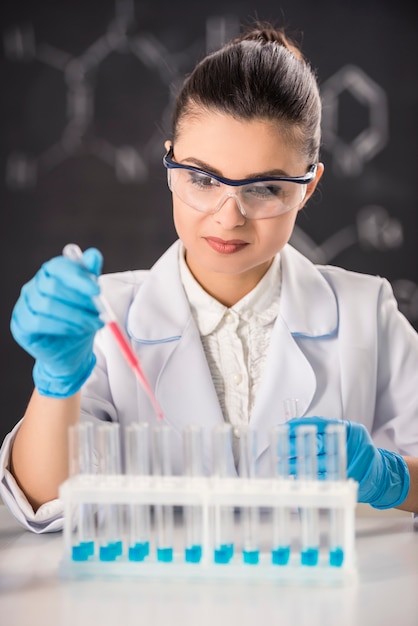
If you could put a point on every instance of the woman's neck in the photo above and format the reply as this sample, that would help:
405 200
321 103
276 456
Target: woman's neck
228 289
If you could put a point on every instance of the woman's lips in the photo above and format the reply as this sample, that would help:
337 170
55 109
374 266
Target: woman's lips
226 247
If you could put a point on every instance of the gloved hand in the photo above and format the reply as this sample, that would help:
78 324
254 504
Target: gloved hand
55 320
383 476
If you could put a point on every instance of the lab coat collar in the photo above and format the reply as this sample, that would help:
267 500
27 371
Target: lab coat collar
308 305
161 297
259 307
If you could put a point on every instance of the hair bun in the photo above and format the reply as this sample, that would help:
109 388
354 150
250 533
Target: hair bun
266 33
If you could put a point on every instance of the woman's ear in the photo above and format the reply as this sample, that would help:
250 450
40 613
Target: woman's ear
167 145
312 186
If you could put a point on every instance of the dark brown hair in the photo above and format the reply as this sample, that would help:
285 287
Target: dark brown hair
259 75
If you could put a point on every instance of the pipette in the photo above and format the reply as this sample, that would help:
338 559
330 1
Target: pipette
73 252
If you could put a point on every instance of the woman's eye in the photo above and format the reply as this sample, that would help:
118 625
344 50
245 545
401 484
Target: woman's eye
202 181
265 191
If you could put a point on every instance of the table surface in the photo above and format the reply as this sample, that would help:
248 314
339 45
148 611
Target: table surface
384 593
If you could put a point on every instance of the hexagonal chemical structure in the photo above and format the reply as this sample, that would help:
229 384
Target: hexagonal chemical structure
349 158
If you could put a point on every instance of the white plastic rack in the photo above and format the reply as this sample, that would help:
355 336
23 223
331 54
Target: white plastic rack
329 562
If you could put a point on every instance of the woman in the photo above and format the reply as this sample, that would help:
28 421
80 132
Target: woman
231 320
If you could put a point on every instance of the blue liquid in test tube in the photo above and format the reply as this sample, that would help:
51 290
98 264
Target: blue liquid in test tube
80 458
110 519
137 446
193 467
164 513
223 514
279 449
336 470
307 471
250 515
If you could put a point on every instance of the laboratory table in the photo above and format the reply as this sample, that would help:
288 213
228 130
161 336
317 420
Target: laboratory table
384 592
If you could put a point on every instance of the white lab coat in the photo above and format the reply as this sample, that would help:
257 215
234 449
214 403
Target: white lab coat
339 345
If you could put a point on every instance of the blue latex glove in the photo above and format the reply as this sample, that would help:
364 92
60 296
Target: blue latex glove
383 476
55 320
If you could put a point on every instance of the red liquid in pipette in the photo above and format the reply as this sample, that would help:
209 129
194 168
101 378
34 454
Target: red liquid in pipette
134 364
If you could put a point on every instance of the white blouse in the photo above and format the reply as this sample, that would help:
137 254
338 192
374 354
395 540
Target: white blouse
235 340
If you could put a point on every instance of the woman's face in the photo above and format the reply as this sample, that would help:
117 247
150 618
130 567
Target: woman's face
225 247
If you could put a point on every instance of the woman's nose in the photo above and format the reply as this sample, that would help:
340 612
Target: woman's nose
229 212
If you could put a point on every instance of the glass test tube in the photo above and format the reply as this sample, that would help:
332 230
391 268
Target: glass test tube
110 519
250 515
193 467
223 514
291 408
80 447
307 471
336 469
137 446
164 513
279 448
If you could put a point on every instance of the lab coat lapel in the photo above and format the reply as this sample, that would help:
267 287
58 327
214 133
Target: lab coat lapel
168 344
185 383
287 374
308 311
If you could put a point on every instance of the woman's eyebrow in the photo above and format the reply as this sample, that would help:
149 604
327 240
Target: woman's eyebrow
275 172
213 170
200 165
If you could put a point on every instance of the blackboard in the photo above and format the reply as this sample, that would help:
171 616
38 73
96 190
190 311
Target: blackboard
86 96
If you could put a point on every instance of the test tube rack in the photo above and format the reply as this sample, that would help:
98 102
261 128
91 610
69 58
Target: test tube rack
209 496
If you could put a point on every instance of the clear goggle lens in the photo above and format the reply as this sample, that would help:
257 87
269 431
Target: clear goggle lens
255 200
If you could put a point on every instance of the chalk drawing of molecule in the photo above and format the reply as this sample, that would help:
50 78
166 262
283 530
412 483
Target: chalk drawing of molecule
130 162
350 157
374 229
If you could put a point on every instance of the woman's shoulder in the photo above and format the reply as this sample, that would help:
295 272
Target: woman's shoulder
120 288
129 281
341 276
336 276
127 278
